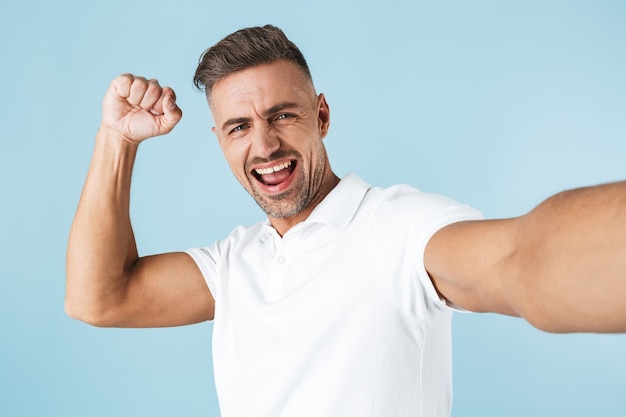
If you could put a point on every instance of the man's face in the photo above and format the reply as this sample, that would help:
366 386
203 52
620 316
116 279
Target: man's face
270 125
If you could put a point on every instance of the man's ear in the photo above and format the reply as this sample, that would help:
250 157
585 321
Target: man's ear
217 135
323 115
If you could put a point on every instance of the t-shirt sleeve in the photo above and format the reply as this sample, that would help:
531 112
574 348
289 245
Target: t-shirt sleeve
403 224
449 212
207 259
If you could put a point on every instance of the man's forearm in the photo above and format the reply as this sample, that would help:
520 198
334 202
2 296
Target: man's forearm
572 261
101 245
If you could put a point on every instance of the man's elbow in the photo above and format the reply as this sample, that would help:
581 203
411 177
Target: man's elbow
565 318
90 315
548 324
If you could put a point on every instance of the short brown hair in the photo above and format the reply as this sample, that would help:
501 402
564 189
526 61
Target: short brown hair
243 49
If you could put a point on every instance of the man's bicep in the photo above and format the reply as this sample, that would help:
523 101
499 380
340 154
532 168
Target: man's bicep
166 290
467 262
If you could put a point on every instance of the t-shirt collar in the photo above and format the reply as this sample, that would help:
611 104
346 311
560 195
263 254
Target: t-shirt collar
341 204
338 207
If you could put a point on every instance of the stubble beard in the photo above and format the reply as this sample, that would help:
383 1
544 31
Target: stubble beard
286 204
293 201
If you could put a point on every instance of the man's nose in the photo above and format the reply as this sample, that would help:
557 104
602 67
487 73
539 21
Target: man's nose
265 143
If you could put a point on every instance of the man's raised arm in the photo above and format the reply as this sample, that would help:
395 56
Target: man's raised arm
107 283
562 266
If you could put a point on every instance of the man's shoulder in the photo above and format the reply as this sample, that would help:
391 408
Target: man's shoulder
396 206
353 188
402 197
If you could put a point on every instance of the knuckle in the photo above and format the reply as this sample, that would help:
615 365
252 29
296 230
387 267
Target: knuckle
153 91
153 86
170 91
141 81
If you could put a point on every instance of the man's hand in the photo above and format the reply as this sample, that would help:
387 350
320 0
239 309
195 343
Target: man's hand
137 108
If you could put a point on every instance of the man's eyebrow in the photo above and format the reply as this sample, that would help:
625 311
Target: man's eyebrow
280 107
235 121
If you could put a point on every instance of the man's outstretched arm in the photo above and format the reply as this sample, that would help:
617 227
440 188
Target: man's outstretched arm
108 284
562 266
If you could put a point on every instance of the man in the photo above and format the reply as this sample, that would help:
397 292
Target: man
340 303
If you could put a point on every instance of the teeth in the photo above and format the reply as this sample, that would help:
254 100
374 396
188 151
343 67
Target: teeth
273 169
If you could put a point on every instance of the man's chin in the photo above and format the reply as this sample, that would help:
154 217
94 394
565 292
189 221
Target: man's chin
279 206
280 212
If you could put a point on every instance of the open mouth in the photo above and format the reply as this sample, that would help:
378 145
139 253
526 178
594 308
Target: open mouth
276 174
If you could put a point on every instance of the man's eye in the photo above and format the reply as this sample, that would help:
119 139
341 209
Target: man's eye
238 129
284 116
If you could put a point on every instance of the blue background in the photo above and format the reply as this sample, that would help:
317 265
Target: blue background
496 104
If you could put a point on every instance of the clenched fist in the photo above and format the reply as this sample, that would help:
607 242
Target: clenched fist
137 108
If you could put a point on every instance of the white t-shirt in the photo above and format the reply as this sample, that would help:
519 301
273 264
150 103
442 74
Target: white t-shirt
338 317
